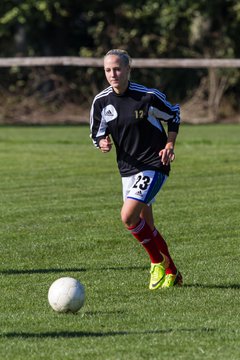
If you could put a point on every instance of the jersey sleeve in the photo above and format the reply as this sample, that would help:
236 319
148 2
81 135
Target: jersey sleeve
98 125
165 111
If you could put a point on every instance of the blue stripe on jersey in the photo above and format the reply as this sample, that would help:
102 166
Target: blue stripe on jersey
159 95
142 88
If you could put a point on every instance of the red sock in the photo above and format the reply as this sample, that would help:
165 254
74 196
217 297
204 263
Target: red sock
143 234
162 246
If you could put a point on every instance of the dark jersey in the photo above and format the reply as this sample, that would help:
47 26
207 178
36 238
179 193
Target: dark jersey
133 119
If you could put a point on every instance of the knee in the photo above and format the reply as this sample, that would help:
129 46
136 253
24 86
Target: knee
129 219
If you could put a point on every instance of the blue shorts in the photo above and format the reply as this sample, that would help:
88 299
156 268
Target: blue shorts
143 186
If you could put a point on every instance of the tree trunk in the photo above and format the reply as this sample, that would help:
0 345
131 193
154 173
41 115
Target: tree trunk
217 84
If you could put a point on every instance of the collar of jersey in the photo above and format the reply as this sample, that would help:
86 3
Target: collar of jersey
123 94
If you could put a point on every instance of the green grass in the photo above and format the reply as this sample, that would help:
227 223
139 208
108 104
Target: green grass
60 215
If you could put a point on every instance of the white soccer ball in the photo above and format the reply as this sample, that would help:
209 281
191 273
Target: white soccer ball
66 294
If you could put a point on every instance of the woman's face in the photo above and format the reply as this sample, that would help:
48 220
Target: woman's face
117 73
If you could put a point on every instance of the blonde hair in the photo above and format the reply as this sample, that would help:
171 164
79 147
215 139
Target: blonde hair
122 54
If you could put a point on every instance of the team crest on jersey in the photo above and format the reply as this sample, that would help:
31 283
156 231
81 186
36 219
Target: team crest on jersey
109 113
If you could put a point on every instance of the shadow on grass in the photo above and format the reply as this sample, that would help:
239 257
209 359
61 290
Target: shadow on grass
123 268
59 270
96 334
40 271
213 286
111 268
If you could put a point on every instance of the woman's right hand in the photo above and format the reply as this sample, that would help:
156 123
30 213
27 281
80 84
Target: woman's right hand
105 144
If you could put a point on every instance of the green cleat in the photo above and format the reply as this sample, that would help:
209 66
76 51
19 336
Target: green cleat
158 274
172 280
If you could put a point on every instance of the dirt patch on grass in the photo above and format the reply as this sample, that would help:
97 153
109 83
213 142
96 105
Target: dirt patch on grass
31 111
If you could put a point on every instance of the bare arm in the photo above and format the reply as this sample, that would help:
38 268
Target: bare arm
167 154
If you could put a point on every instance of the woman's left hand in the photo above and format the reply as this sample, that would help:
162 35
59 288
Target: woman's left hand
167 155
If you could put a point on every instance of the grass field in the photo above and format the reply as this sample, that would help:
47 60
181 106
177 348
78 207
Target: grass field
60 216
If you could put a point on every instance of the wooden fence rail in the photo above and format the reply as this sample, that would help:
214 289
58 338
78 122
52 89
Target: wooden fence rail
137 63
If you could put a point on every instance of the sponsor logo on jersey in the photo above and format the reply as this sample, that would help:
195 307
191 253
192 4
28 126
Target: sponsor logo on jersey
109 113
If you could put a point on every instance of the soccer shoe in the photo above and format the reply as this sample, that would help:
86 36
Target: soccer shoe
158 274
172 280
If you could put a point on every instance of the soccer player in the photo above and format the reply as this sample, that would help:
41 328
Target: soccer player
129 115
